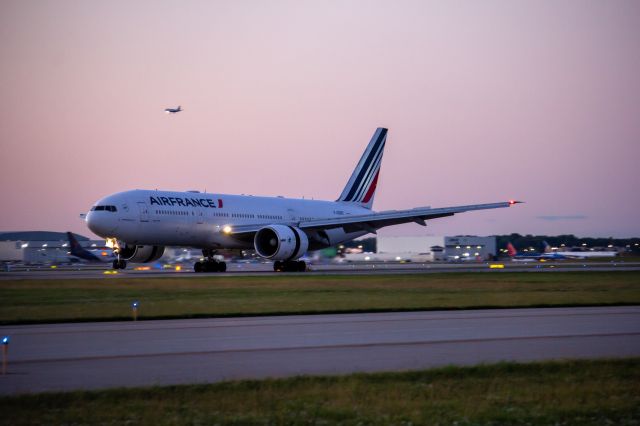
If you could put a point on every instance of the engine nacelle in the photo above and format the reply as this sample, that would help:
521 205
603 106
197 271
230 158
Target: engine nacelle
141 254
281 242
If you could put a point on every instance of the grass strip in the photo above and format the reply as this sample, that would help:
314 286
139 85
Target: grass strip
571 392
33 301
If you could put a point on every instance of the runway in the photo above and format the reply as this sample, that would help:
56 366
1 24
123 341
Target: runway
103 355
266 269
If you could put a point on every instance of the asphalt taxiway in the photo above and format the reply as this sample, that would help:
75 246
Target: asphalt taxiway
255 269
61 357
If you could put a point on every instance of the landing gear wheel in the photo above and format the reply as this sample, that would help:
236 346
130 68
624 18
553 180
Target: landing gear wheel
289 266
122 264
210 266
115 264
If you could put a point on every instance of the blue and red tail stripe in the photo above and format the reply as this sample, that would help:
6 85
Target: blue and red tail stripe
362 185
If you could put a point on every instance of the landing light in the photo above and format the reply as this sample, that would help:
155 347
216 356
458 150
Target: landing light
227 229
5 340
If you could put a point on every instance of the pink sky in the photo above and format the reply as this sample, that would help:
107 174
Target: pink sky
484 101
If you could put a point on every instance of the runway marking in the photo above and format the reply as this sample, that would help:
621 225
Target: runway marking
303 348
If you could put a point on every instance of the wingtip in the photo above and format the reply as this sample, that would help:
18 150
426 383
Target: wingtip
512 202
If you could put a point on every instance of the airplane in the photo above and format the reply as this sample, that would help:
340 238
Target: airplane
81 253
173 110
138 224
586 254
547 255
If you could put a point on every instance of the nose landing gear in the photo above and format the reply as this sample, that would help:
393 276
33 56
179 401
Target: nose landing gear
209 264
119 263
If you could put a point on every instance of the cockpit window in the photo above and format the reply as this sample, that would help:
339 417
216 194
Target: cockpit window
105 208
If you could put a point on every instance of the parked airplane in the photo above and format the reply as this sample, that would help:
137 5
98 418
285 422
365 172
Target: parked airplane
586 254
173 110
81 253
138 224
550 254
547 255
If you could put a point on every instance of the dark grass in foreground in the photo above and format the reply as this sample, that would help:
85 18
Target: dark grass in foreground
575 392
50 300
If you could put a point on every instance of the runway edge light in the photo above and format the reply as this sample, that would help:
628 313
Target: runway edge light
5 350
134 309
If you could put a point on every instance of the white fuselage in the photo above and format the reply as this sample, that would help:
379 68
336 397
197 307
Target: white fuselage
586 254
195 219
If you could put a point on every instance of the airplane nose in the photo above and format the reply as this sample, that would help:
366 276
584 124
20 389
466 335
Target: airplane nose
100 223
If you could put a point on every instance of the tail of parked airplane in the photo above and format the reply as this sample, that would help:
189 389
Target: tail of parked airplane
78 251
361 187
511 250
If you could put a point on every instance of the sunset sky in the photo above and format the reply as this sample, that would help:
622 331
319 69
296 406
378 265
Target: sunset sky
484 100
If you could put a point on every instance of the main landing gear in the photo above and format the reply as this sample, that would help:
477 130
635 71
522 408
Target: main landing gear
119 264
289 266
209 264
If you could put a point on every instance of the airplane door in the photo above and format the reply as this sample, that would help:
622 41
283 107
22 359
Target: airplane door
292 215
144 211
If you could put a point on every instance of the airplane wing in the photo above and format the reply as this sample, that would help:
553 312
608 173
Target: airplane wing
376 220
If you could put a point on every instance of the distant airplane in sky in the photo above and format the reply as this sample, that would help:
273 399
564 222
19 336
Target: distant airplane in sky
173 110
139 224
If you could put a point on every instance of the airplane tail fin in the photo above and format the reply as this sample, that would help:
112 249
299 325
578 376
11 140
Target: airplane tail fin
547 247
73 243
511 250
361 187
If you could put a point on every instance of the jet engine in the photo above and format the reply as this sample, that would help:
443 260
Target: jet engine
281 242
141 254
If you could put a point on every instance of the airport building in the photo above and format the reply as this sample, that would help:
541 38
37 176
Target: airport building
437 248
42 247
470 247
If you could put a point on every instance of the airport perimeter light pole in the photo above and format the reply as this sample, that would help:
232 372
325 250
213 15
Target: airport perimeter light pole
5 353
